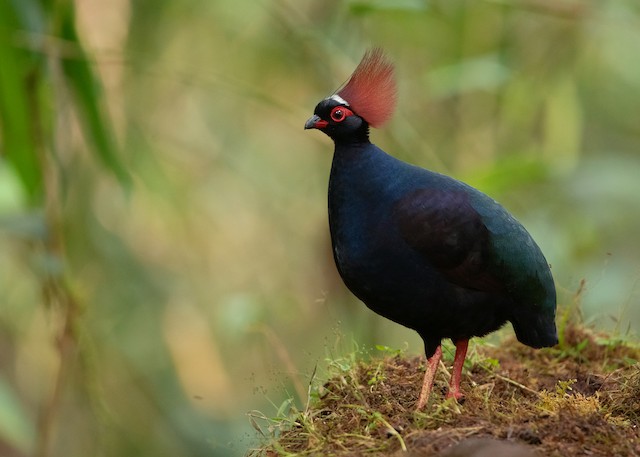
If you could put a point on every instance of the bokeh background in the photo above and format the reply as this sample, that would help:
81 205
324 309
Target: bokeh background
164 254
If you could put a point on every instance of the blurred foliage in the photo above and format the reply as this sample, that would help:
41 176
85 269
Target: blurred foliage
164 258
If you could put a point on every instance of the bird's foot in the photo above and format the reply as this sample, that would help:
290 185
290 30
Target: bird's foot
429 375
422 401
457 394
456 375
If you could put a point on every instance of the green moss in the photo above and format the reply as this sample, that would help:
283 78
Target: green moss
582 398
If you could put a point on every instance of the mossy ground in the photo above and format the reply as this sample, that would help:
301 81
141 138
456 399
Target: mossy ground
581 399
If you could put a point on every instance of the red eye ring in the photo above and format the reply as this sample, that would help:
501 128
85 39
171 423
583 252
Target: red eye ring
340 113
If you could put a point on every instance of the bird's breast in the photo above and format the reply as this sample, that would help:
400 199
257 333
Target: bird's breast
370 254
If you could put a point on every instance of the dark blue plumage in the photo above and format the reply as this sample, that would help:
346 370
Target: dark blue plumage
425 250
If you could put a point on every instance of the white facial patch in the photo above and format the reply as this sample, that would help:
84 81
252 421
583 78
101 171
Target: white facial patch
339 99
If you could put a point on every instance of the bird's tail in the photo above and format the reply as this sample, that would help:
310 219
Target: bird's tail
537 331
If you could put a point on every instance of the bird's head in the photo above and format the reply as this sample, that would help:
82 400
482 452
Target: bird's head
367 99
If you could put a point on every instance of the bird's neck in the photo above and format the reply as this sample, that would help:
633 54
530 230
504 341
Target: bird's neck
357 171
351 148
349 151
360 137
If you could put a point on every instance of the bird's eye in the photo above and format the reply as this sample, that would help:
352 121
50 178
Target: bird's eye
339 113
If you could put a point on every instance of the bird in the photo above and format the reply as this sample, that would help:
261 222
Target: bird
421 248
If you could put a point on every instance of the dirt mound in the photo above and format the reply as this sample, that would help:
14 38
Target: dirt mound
580 399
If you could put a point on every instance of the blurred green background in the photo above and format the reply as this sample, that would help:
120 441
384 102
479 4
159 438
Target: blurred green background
164 254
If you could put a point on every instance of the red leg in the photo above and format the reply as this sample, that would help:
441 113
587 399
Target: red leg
456 375
429 375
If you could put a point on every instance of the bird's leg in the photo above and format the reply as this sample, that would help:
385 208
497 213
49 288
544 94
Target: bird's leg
429 375
456 375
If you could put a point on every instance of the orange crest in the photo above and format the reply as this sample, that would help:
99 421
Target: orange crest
371 90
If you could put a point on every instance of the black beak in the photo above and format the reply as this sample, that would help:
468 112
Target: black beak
315 122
